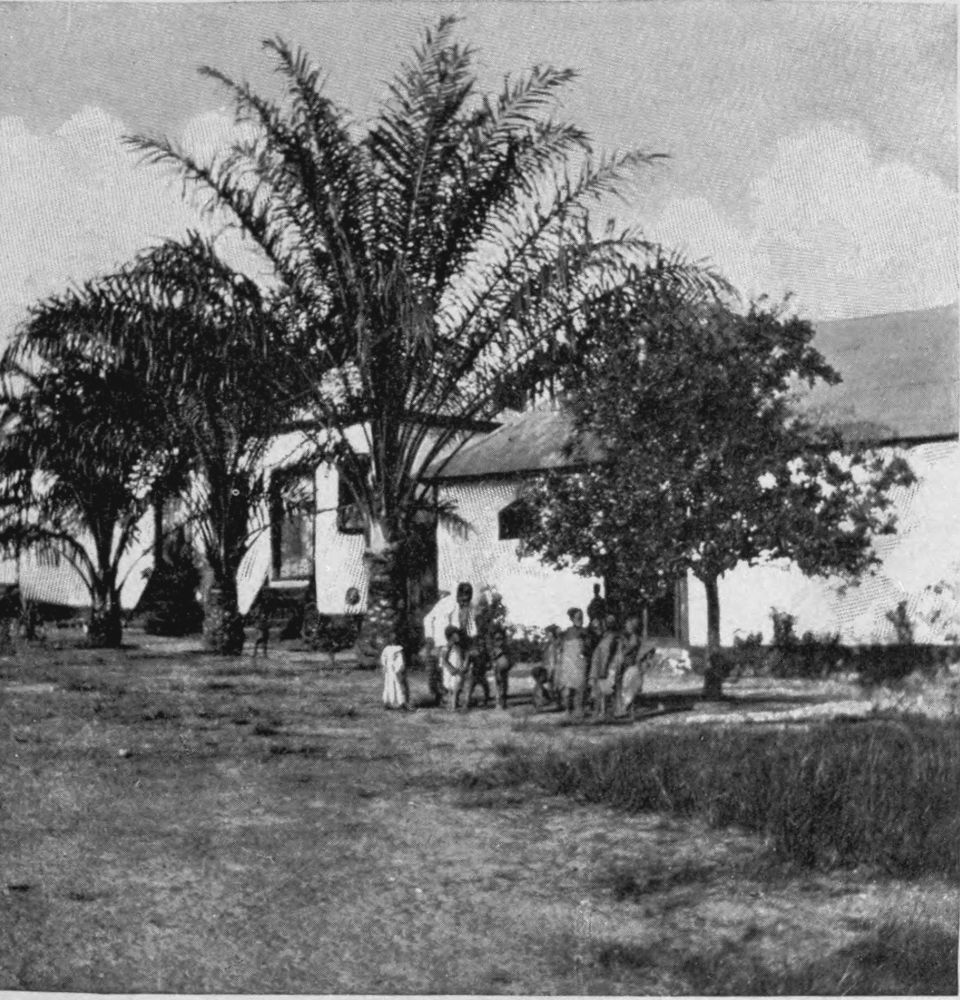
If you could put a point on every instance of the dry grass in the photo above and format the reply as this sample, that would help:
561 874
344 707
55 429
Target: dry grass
878 792
171 822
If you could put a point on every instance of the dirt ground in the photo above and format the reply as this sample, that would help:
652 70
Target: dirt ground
174 822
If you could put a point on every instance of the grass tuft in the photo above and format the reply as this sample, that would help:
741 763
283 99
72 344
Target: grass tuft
913 958
343 711
885 794
626 884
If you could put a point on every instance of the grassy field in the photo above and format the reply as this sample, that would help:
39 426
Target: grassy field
172 822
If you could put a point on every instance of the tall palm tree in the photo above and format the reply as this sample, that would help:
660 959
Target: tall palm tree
440 257
206 347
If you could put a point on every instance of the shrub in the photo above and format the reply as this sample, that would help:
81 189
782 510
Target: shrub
169 601
330 633
784 636
527 643
901 623
881 793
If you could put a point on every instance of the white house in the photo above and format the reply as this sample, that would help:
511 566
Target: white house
900 390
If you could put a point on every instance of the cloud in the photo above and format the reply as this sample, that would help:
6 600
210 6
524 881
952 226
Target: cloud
850 235
695 227
77 203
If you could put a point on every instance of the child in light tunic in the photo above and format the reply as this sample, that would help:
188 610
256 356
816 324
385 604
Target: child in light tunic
396 693
454 666
574 666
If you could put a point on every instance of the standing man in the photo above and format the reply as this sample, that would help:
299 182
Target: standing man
473 642
459 612
597 608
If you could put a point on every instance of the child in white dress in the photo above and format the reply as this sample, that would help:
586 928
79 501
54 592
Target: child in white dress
396 692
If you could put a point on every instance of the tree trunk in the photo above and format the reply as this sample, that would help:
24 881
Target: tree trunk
713 669
222 622
383 622
105 624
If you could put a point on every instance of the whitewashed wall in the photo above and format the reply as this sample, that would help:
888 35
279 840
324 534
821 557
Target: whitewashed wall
55 581
338 558
533 593
920 564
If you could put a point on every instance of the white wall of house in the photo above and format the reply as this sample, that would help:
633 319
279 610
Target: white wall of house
534 594
338 557
52 579
920 564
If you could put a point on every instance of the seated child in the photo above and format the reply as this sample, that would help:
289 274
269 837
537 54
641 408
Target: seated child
545 673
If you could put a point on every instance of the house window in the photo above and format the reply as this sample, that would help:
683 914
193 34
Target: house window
350 519
292 513
514 521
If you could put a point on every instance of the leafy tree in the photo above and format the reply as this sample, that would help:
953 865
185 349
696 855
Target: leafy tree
74 456
705 460
206 347
441 256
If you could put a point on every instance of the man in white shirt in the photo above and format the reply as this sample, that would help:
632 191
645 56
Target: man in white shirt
456 610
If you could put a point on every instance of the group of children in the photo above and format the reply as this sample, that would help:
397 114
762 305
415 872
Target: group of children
598 666
461 667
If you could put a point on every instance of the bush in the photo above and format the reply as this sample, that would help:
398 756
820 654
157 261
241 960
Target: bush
813 657
527 643
784 636
169 601
901 623
883 793
330 633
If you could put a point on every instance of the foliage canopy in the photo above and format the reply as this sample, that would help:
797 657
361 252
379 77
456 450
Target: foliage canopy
709 462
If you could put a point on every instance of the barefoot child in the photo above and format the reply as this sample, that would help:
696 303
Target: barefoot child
574 665
635 655
501 662
603 667
396 691
454 666
544 674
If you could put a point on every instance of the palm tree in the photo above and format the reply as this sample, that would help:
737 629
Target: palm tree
206 347
76 463
440 258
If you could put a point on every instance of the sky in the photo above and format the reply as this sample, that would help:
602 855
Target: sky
812 146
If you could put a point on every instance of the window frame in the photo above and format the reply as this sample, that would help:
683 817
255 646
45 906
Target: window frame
278 515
